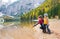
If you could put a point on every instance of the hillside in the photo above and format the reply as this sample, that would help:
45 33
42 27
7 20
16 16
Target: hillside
52 7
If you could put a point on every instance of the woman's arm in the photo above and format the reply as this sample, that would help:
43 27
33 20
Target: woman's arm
35 24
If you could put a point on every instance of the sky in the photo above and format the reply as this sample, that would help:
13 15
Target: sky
8 1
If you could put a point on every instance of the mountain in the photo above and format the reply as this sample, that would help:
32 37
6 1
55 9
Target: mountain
3 9
22 6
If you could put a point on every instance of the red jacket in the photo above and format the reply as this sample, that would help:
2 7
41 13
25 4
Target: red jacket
40 21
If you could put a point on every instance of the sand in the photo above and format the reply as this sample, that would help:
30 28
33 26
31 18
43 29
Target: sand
17 32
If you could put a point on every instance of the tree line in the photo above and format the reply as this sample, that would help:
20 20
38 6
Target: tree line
51 7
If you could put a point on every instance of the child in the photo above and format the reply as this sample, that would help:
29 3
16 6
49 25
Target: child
46 25
40 21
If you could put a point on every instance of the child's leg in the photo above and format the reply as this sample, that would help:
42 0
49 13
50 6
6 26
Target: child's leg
48 29
44 28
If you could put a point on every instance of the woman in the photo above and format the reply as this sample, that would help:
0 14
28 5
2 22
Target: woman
40 21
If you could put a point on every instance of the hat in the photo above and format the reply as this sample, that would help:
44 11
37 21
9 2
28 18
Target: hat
40 16
45 14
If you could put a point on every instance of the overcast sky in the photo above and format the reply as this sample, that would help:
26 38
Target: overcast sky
7 1
11 1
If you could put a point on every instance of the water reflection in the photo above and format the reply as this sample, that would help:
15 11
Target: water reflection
21 23
11 23
27 23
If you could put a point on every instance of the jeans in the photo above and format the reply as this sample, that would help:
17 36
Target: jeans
42 25
46 29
